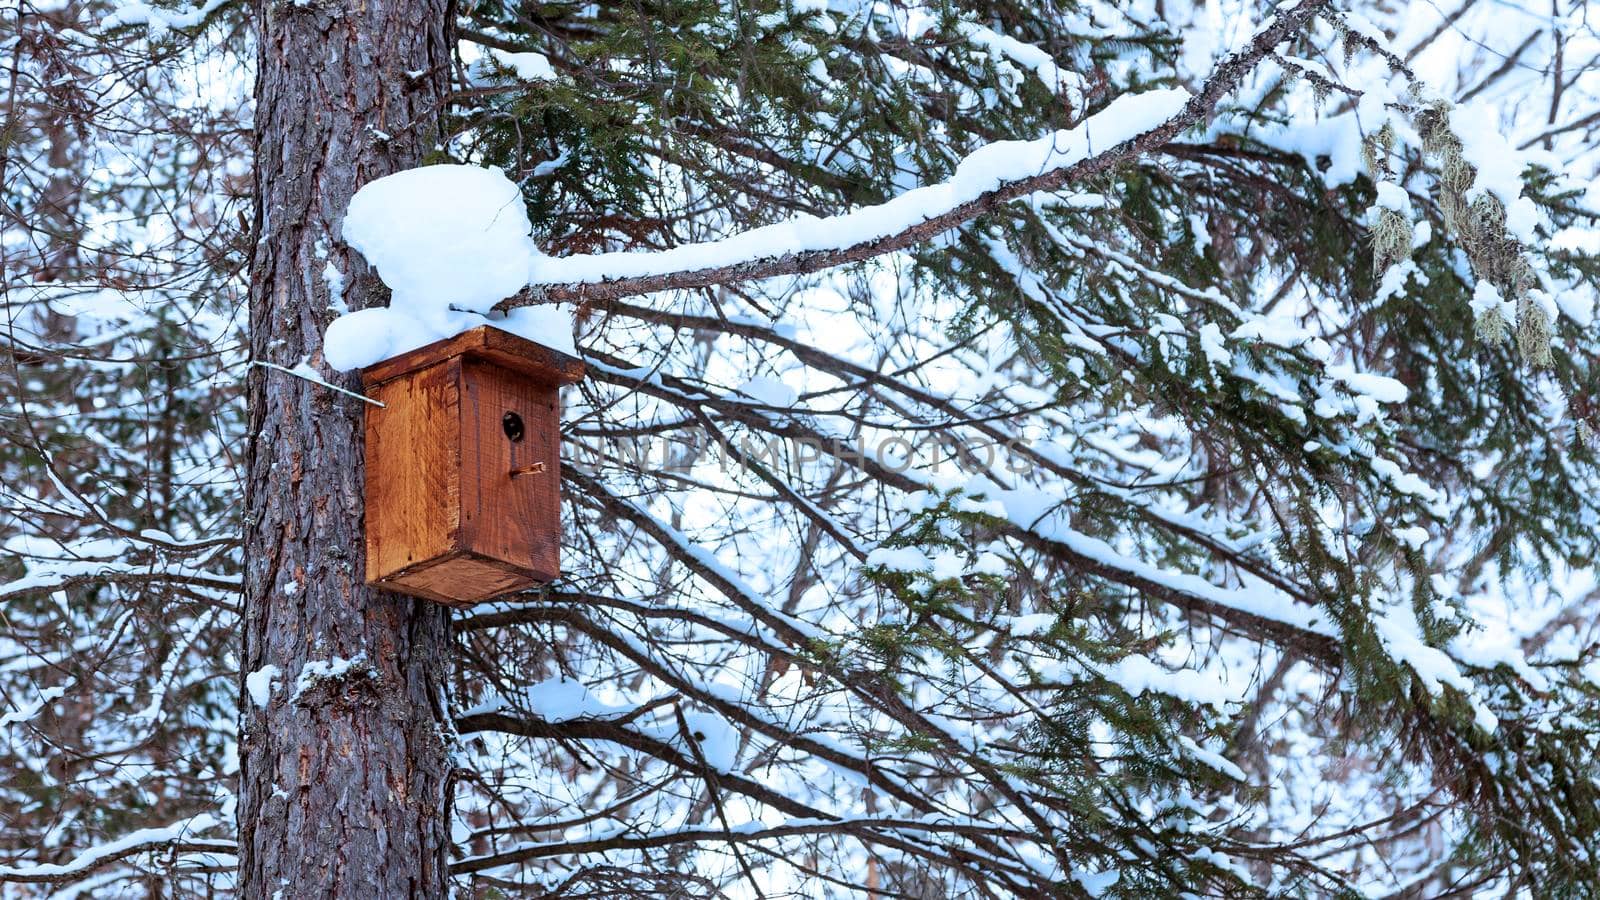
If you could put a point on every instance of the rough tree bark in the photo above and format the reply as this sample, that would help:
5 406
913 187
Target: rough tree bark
344 774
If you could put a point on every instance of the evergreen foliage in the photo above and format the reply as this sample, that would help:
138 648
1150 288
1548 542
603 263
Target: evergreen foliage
1238 540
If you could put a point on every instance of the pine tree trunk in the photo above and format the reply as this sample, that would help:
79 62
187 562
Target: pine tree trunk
344 774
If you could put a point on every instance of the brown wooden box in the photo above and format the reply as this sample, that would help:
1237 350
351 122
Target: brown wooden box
447 518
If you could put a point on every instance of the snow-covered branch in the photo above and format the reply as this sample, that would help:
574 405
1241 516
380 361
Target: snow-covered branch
171 839
1130 127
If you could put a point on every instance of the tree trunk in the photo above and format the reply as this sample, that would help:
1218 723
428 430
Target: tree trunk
344 773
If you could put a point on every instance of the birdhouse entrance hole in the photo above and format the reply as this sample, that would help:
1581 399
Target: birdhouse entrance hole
512 423
462 489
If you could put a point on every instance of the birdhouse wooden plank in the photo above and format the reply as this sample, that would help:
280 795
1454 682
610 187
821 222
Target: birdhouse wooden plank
463 474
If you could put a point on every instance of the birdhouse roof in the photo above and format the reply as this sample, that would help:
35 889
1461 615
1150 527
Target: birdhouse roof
536 361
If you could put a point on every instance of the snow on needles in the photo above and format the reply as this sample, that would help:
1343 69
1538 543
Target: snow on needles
528 66
450 241
157 19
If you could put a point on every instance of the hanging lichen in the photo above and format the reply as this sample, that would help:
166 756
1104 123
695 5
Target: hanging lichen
1479 224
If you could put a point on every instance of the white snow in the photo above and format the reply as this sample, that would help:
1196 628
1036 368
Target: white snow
1279 332
921 20
528 65
1497 643
1037 512
1095 884
769 392
1486 296
1381 388
444 234
450 241
718 741
1499 166
259 683
1138 674
1414 536
1213 346
56 574
1031 624
989 563
158 20
1336 137
364 337
143 837
899 559
26 712
319 670
948 564
1211 758
1401 480
984 170
1402 638
558 699
1394 197
334 279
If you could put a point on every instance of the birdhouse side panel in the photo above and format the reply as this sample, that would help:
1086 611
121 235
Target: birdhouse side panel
511 471
413 478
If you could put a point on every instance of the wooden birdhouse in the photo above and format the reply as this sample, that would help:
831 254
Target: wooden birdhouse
463 467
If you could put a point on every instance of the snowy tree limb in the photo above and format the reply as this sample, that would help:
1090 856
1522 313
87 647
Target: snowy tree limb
656 272
171 839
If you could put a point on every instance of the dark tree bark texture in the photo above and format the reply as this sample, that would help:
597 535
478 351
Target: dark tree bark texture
344 772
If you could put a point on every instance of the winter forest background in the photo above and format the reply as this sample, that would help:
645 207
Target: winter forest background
1214 512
